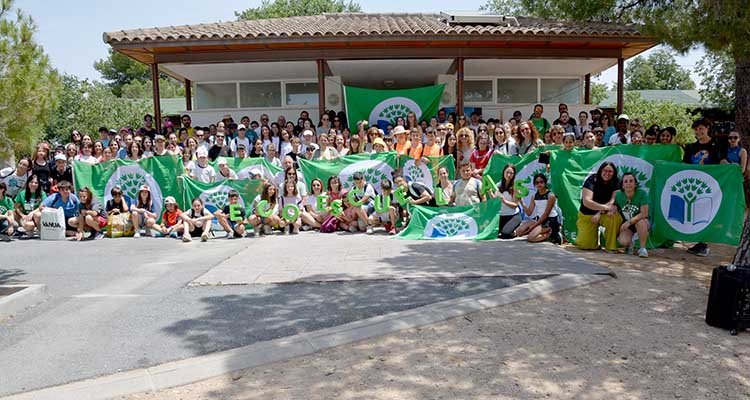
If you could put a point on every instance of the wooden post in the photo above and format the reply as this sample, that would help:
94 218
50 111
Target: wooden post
620 85
587 89
157 104
459 86
321 87
188 95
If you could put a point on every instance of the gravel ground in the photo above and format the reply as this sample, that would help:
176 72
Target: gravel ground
641 336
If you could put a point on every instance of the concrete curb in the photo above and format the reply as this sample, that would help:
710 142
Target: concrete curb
183 372
19 301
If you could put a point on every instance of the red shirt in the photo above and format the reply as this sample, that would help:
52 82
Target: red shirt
480 158
170 218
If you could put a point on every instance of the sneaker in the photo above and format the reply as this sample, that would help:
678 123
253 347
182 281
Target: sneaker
204 237
99 236
643 252
370 231
703 251
137 234
295 230
695 248
4 238
230 235
267 230
630 251
306 228
353 229
173 235
186 239
286 230
147 233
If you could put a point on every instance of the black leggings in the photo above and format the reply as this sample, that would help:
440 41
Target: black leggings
508 225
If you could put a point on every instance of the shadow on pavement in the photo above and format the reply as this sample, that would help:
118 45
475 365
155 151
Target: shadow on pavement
9 276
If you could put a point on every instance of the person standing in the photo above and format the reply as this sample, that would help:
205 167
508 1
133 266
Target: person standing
703 151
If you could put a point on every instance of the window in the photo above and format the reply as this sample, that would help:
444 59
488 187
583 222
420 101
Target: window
260 94
516 91
561 91
215 95
478 91
302 94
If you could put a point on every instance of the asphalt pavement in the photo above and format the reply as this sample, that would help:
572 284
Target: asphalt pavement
120 304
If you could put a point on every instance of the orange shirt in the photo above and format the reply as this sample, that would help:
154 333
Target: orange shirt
403 149
432 151
415 152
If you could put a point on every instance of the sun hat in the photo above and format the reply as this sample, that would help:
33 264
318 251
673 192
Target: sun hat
170 200
398 130
378 141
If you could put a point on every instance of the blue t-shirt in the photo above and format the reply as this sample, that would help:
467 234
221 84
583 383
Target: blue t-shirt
70 208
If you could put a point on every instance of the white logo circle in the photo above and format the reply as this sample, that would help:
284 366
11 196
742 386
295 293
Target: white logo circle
690 200
455 226
414 172
526 175
386 112
130 178
374 171
215 199
642 169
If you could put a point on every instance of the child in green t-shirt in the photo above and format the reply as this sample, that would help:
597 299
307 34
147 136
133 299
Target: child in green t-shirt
633 205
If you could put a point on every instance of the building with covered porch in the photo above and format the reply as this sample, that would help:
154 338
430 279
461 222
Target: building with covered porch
284 66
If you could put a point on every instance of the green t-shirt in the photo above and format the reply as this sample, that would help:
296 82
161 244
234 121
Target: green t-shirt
6 204
32 204
629 208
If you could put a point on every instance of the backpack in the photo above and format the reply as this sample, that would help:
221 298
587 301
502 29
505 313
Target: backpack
329 225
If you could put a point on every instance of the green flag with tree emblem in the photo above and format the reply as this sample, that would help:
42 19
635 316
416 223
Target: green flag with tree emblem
474 222
382 107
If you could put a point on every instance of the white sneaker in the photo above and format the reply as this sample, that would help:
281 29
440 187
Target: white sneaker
137 234
643 252
353 229
295 230
370 231
204 237
187 239
267 230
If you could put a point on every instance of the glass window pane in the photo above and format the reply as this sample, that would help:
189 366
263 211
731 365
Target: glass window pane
516 91
477 91
561 91
260 94
302 94
215 95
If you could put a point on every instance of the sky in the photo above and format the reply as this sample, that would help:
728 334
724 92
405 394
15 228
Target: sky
71 31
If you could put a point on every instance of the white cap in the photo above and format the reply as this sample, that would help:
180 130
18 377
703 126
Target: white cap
307 132
241 127
202 152
60 157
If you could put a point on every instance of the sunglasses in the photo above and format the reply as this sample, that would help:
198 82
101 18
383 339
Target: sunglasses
734 137
463 136
482 130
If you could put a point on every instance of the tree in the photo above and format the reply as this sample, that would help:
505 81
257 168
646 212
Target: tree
295 8
29 85
717 25
717 72
132 79
168 88
86 106
598 92
664 113
659 71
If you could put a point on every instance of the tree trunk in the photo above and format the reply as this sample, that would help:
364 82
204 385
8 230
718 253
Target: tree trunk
742 122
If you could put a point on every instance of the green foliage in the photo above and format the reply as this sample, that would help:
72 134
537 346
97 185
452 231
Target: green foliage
657 71
295 8
664 113
717 72
168 88
86 106
598 93
29 85
120 70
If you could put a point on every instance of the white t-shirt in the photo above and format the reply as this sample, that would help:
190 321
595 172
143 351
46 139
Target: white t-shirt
205 174
312 201
615 139
220 177
237 141
14 182
504 209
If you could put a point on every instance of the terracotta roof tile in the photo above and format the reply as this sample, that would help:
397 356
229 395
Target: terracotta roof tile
359 25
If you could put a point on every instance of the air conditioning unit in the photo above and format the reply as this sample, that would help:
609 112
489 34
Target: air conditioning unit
477 17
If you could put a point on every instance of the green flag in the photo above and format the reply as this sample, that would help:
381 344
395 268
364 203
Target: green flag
427 173
527 166
474 222
698 203
214 195
247 167
382 107
375 167
158 173
570 169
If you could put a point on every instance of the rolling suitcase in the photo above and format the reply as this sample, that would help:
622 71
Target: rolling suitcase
729 299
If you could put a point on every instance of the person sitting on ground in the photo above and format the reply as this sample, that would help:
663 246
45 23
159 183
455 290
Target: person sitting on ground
7 221
171 220
200 170
598 209
91 216
467 190
142 212
386 219
15 178
196 221
312 215
117 204
364 193
543 221
632 202
510 216
224 172
27 204
291 196
65 200
233 228
266 225
417 193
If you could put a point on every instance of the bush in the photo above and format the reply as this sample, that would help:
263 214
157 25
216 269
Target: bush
663 113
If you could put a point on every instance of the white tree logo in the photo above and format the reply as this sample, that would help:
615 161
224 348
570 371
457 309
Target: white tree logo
454 226
386 112
130 178
690 201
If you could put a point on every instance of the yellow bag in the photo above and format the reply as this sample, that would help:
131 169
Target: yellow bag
119 225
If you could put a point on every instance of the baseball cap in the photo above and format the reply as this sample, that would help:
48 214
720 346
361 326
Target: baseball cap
202 152
307 132
159 138
112 132
222 161
170 200
623 116
144 187
241 127
61 157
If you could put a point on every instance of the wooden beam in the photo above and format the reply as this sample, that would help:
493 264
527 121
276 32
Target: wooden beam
620 85
156 96
382 53
459 86
452 68
188 95
587 89
327 68
321 87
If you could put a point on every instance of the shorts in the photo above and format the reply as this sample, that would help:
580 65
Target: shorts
384 217
196 232
369 209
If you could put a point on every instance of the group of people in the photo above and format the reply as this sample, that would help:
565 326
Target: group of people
615 203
